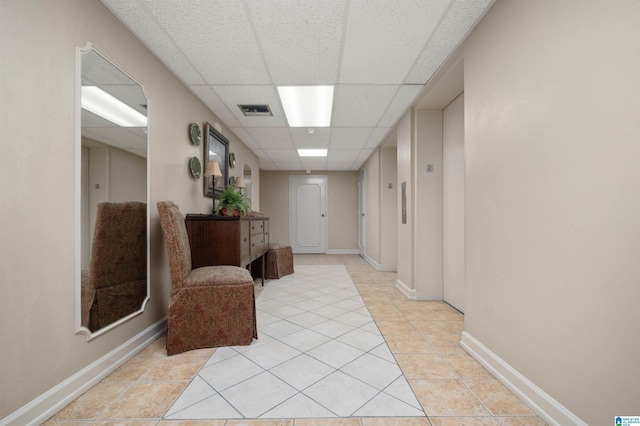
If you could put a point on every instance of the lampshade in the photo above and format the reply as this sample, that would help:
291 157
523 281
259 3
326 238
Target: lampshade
240 182
212 169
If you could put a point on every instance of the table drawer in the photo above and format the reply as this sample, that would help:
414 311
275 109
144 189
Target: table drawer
257 245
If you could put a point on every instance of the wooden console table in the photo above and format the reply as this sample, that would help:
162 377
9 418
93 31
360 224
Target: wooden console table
221 240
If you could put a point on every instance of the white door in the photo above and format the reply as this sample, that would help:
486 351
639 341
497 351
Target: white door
453 204
307 213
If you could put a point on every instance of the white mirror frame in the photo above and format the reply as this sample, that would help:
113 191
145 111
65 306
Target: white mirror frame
80 329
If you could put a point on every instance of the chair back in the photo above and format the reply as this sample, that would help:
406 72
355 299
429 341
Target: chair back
176 240
119 249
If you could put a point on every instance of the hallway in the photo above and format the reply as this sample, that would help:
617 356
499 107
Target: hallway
451 387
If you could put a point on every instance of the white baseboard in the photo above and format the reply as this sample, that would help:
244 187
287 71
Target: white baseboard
343 251
550 410
49 403
376 265
406 290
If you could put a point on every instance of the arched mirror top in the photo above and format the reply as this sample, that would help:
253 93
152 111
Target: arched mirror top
110 122
112 181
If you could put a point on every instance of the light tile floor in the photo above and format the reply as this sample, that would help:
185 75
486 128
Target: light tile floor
451 388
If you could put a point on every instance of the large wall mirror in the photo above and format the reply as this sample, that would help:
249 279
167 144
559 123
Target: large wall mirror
112 212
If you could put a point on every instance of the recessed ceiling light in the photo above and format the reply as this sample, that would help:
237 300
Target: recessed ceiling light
106 106
312 152
307 106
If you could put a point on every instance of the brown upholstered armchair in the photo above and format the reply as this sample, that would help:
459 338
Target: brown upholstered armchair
116 283
210 306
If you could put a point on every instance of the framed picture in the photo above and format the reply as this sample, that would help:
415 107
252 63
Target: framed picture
216 148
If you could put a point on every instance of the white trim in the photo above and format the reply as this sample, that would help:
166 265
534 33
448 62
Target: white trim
550 410
55 399
406 290
376 265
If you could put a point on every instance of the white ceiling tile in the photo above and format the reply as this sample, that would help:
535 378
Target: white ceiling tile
223 49
267 165
377 136
233 96
245 137
384 38
283 155
271 137
336 165
232 52
313 164
262 155
458 21
309 31
400 104
364 155
343 155
302 139
286 165
137 17
211 100
360 106
350 137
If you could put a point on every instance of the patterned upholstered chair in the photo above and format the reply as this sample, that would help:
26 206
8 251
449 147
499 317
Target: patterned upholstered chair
210 306
116 283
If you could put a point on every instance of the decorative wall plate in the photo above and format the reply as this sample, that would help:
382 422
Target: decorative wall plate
195 167
195 134
232 180
232 160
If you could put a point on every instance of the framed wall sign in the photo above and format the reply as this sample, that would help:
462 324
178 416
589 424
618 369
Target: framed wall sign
216 148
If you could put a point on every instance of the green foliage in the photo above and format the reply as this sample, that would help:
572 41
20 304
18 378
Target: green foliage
231 199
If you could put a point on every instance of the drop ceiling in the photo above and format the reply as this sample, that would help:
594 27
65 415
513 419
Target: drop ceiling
378 54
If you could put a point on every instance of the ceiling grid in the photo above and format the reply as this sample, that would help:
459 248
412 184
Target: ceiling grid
378 54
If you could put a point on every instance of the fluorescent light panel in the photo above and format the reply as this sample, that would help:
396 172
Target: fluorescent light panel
312 152
307 106
106 106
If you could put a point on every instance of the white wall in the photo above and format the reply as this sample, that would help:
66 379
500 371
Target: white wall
37 213
552 128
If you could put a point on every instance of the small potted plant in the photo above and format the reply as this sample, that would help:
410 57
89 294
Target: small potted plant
233 203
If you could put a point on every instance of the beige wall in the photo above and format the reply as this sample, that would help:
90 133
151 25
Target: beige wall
38 46
388 209
552 127
419 135
381 245
453 233
342 204
427 213
372 209
405 231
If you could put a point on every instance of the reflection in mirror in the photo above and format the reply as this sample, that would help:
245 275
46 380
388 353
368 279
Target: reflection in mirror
247 182
113 284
